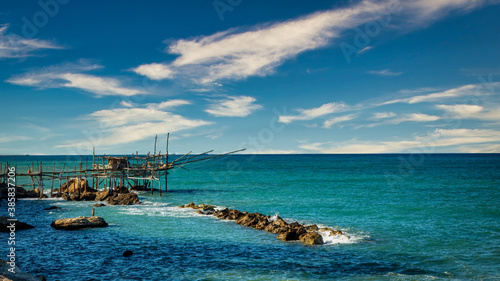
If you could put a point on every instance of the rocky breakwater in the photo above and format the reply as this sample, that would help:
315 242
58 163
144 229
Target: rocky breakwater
119 196
307 234
79 223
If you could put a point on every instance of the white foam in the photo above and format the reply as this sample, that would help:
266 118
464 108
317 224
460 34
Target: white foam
274 217
345 238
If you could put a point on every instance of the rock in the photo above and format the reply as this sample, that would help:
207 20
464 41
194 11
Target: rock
74 197
312 227
311 238
206 211
103 195
248 220
222 214
52 208
120 189
18 275
124 199
71 186
190 205
5 224
128 253
99 205
289 236
88 196
262 224
79 222
329 231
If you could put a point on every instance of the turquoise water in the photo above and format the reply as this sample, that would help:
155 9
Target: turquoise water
408 217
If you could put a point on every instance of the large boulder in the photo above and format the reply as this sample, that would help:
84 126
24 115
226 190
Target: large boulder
79 222
88 196
124 199
103 195
311 238
6 224
13 273
71 186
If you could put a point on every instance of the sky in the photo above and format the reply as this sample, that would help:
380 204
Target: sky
386 76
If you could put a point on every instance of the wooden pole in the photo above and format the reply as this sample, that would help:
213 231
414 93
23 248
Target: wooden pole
166 166
53 175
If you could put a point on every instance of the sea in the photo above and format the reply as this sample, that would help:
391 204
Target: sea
404 217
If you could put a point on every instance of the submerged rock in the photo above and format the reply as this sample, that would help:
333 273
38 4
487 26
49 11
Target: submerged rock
52 208
79 222
6 224
18 275
128 253
99 205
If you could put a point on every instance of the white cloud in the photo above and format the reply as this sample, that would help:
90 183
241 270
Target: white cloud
126 125
154 71
15 46
70 76
233 106
415 117
169 104
468 111
336 120
235 54
385 72
466 90
419 144
6 139
383 115
461 110
309 114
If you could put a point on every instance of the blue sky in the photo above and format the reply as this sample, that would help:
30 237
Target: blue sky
381 76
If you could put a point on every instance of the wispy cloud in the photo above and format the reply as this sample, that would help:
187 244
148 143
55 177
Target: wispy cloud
235 54
385 72
233 106
383 115
470 111
15 46
336 120
309 114
466 90
465 138
71 75
6 139
126 125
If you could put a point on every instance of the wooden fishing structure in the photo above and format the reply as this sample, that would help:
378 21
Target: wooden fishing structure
131 172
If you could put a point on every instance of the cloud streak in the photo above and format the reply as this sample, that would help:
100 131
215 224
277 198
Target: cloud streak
309 114
131 124
72 76
15 46
233 106
234 54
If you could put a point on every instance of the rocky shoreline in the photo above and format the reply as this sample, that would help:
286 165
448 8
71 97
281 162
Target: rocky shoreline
307 234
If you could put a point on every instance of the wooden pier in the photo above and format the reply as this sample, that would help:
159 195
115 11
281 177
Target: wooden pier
131 172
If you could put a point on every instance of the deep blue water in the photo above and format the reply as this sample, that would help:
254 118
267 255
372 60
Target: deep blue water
408 217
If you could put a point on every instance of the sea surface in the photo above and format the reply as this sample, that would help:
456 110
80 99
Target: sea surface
407 217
